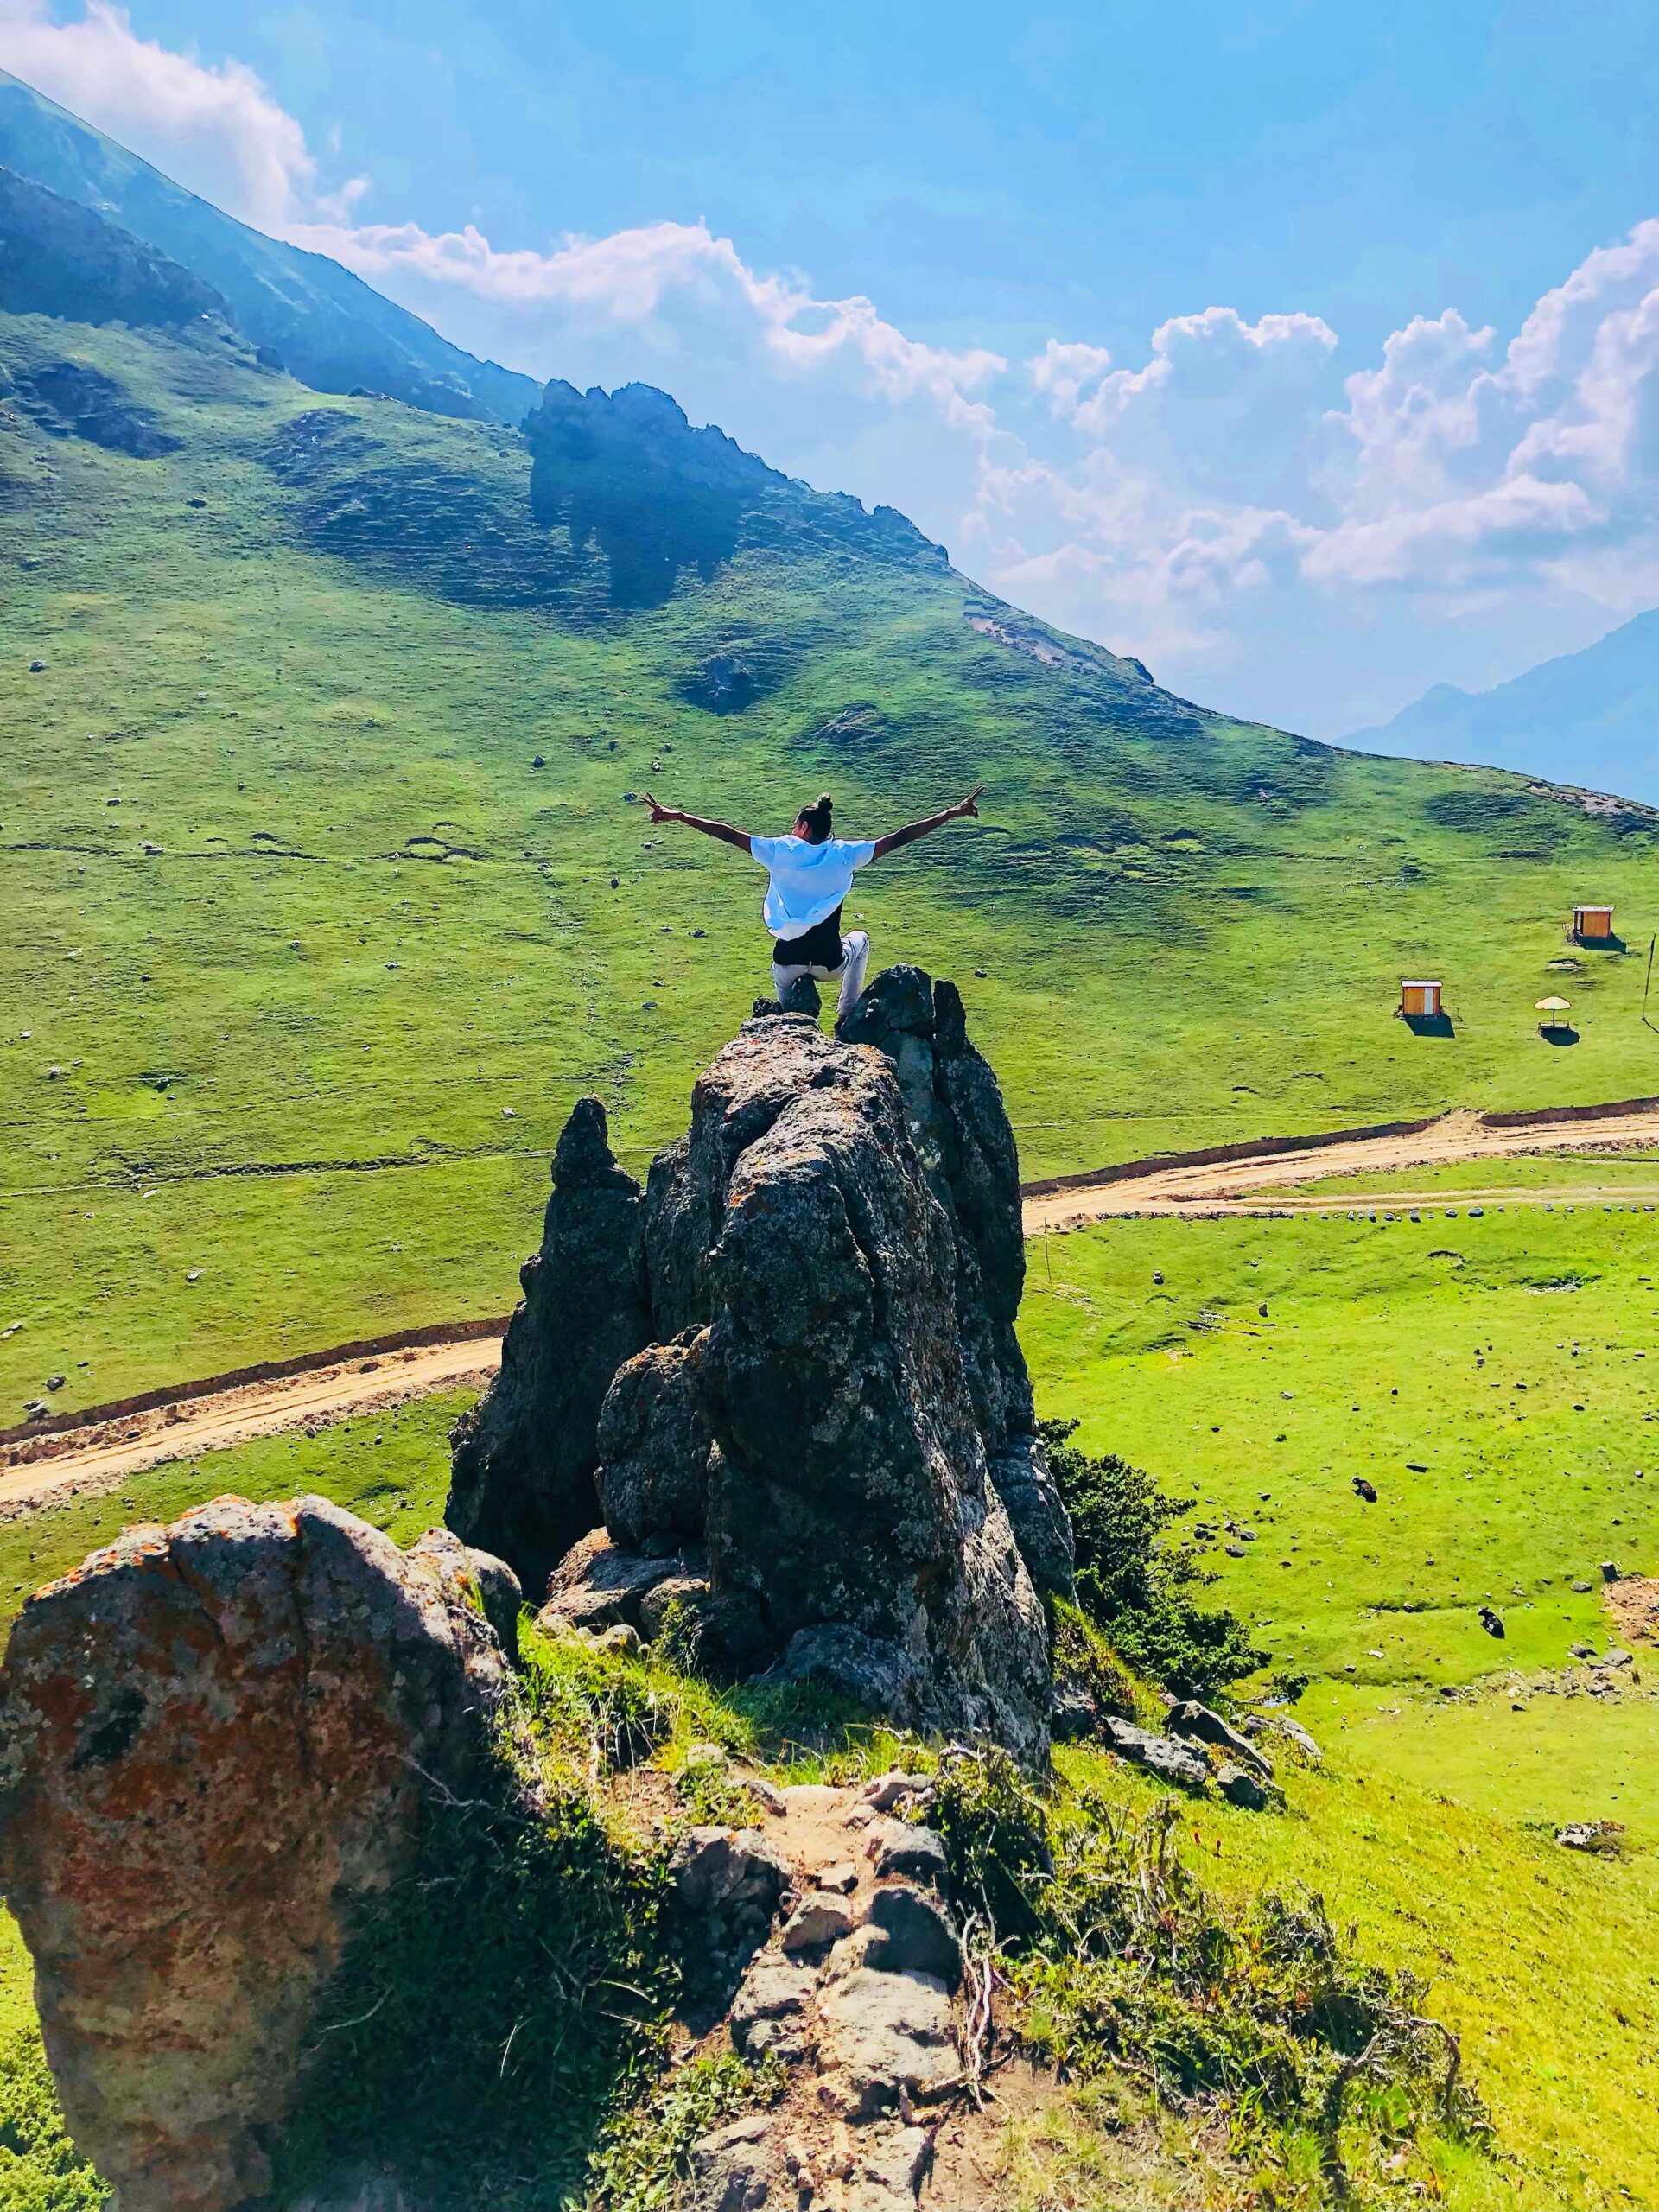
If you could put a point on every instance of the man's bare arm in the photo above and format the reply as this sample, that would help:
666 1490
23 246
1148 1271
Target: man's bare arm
724 831
912 831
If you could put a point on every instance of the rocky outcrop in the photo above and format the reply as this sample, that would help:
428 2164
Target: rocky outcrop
820 1448
216 1742
525 1455
961 1129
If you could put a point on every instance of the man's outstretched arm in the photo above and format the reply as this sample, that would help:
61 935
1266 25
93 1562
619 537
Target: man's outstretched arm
912 831
724 831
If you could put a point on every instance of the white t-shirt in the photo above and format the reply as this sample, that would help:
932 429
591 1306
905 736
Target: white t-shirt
808 881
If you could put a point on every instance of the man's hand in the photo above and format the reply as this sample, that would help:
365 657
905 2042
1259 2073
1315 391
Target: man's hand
661 813
969 805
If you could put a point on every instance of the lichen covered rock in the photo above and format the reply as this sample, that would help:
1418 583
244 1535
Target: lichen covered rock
216 1741
826 1417
522 1484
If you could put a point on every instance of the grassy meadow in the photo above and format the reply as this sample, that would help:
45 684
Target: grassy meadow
307 957
1450 1757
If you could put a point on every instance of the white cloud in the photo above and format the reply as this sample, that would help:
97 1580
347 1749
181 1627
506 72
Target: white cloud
662 270
213 127
1232 507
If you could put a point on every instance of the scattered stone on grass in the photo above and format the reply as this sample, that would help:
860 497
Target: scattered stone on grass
1163 1756
1188 1717
1239 1787
1604 1838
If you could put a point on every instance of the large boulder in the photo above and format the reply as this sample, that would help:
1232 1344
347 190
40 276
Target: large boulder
524 1457
826 1415
850 1486
217 1743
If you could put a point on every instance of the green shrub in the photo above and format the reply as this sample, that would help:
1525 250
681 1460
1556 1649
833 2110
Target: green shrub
490 2011
1133 1586
603 1710
645 2154
1119 1958
41 2170
994 1829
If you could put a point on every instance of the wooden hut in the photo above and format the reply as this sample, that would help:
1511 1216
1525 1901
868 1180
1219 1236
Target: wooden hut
1420 997
1592 925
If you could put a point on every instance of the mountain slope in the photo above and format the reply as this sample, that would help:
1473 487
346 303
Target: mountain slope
1590 718
330 330
60 259
325 884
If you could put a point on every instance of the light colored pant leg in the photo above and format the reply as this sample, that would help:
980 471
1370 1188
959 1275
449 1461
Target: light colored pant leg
856 959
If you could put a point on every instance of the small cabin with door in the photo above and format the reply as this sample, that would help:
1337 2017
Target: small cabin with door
1420 998
1592 925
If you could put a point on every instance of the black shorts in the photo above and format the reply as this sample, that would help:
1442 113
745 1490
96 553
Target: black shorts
818 947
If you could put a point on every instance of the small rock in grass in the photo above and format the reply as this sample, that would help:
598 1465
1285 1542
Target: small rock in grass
1492 1622
893 1788
55 1381
1582 1587
1163 1756
1600 1836
193 1276
1188 1717
1239 1787
771 1796
539 761
1367 1490
36 1407
1609 1570
36 667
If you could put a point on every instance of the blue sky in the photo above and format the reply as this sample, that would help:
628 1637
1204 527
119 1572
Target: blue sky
1308 351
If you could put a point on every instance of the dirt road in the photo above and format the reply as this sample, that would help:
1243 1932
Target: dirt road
99 1459
48 1466
1265 1186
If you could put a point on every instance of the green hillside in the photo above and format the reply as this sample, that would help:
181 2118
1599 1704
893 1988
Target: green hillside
306 956
328 327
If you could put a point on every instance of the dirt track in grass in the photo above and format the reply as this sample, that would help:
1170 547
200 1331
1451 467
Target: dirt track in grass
46 1466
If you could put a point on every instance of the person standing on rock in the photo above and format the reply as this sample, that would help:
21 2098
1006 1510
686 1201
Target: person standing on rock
810 874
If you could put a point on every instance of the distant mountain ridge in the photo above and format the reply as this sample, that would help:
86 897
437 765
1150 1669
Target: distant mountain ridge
1589 718
332 331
